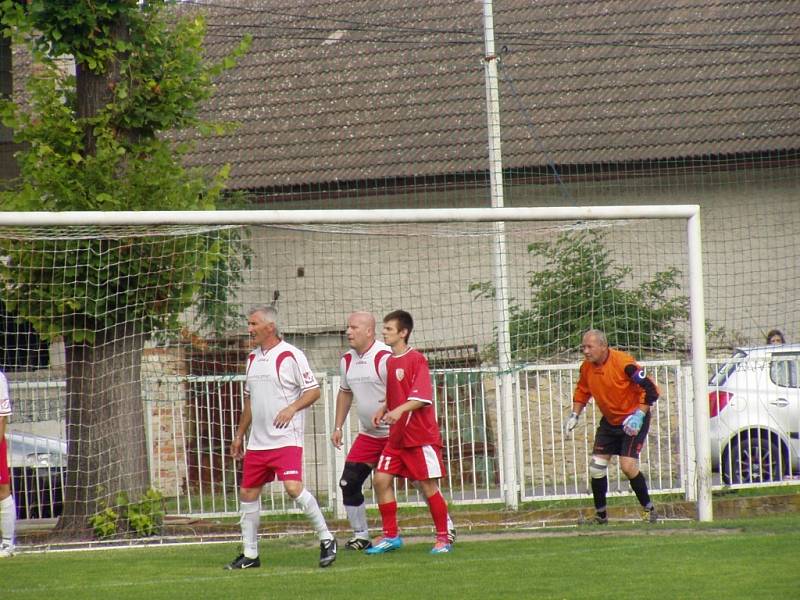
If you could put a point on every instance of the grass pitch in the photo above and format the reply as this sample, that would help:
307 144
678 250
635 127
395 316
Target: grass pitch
753 558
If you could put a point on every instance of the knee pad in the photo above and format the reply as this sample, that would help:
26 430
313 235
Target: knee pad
598 467
353 477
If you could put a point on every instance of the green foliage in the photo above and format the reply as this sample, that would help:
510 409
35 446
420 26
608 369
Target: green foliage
104 522
75 288
143 518
146 517
582 287
232 257
81 28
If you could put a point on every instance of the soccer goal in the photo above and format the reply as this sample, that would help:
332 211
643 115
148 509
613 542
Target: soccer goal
151 305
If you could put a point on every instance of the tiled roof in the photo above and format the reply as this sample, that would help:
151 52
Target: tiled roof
366 89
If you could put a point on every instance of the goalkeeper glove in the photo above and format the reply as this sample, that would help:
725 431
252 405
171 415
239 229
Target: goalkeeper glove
633 422
571 422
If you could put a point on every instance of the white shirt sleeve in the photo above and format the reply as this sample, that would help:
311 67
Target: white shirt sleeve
301 373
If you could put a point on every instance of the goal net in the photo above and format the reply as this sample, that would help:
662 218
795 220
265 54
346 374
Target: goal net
146 331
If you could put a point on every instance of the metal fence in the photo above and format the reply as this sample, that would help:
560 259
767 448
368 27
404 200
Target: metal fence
191 420
554 466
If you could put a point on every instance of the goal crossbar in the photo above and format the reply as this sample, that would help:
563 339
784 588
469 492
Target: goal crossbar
290 217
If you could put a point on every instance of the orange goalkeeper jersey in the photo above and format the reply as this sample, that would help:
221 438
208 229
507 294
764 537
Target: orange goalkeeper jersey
615 394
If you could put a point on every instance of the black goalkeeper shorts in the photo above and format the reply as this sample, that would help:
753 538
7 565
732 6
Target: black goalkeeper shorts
612 439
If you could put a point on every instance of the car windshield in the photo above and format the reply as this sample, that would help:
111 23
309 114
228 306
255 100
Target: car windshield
725 369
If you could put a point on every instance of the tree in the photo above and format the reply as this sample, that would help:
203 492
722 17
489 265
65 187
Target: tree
581 287
95 141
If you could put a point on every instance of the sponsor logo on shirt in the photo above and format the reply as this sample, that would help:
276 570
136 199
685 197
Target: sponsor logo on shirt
399 373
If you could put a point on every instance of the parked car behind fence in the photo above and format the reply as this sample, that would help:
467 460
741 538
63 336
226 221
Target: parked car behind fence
37 466
754 404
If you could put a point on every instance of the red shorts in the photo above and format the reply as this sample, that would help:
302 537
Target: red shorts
5 476
262 466
418 463
366 449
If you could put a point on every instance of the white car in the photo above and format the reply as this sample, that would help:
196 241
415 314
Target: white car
38 465
754 404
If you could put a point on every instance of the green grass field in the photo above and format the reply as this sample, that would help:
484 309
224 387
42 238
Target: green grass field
752 558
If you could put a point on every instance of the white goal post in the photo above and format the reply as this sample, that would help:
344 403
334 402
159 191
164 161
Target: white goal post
699 488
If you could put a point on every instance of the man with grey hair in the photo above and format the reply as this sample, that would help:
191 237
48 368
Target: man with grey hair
279 386
624 395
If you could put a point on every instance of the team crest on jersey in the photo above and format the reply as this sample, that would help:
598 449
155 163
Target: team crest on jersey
399 373
308 377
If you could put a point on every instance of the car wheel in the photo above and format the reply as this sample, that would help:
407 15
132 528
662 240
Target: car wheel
752 458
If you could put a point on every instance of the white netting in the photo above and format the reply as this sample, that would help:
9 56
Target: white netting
149 334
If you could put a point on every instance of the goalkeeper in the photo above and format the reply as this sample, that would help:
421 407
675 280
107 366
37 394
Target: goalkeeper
624 394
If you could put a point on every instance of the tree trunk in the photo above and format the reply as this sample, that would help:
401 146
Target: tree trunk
105 428
96 90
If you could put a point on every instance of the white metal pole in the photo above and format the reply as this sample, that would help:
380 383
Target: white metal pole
699 373
500 266
300 217
336 456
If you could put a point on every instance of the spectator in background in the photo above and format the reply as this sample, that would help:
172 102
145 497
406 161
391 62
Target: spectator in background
8 510
775 336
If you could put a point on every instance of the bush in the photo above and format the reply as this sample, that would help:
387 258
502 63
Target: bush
144 518
581 287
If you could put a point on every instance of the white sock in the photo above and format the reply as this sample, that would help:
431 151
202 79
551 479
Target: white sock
8 519
249 522
449 523
311 509
357 515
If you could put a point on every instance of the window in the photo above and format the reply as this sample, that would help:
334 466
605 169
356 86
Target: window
726 369
783 369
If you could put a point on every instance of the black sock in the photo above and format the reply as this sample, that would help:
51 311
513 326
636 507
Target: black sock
639 487
599 491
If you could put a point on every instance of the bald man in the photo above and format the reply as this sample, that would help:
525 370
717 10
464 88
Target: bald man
363 378
624 395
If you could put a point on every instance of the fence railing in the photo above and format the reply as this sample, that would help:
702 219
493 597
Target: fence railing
553 465
191 420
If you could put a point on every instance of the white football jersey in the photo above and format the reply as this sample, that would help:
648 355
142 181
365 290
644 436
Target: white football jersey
275 379
5 399
365 376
